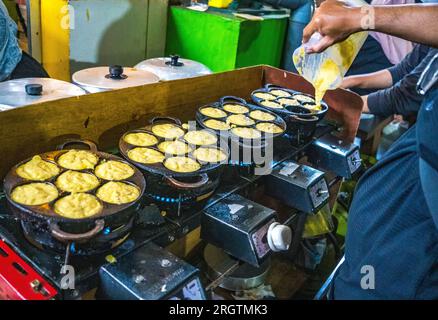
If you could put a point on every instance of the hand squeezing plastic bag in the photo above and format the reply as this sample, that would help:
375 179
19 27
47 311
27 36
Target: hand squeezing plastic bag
327 69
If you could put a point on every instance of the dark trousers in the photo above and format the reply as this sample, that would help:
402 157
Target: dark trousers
28 67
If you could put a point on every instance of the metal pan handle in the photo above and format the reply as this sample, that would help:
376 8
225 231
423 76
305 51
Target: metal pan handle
164 118
225 99
189 185
271 85
63 236
304 119
91 145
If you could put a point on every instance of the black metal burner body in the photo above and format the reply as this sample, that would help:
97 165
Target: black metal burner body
162 192
102 243
121 241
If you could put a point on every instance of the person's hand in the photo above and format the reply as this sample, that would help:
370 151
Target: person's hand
335 21
349 82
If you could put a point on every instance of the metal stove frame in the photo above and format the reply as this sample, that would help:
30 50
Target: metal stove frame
49 264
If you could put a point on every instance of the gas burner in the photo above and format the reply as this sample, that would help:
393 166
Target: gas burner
170 200
243 164
108 239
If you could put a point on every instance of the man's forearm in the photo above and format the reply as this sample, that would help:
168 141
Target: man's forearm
336 21
417 23
376 80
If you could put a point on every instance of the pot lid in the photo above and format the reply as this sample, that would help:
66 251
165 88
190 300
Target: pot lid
173 68
113 77
22 92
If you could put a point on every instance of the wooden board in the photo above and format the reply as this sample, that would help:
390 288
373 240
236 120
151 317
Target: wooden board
104 117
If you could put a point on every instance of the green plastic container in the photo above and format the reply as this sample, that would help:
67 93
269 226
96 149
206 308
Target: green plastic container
224 42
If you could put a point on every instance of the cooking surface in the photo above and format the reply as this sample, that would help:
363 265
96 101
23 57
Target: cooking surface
49 264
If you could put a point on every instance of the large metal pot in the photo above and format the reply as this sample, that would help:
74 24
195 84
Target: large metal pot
102 79
173 68
22 92
44 221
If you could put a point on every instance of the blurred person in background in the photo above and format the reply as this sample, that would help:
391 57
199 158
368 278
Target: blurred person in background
14 63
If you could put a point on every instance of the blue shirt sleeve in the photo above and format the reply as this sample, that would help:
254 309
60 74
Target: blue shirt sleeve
10 52
402 98
409 63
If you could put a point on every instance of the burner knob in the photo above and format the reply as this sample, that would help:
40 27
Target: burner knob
279 237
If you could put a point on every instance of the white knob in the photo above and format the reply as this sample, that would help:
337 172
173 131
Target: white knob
279 237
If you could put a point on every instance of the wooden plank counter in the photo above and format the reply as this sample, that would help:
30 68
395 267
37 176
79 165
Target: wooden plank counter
104 117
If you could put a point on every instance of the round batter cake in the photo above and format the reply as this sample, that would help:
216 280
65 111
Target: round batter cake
114 170
289 102
271 104
213 112
200 137
37 169
78 206
182 164
141 139
34 194
216 124
145 155
74 181
167 131
262 116
269 127
246 133
303 98
118 193
78 160
174 147
211 155
235 108
265 96
240 120
280 93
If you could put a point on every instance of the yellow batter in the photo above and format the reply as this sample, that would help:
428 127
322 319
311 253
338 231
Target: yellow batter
303 98
325 77
269 127
174 147
37 169
211 155
114 170
216 124
74 181
78 206
235 108
271 104
289 102
246 133
182 164
280 93
167 131
264 96
145 155
262 116
34 194
213 112
200 138
78 160
118 193
240 120
141 139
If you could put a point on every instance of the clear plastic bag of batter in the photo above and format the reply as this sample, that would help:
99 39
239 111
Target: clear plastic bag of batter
327 69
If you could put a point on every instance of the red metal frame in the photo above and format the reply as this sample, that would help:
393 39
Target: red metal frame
19 281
